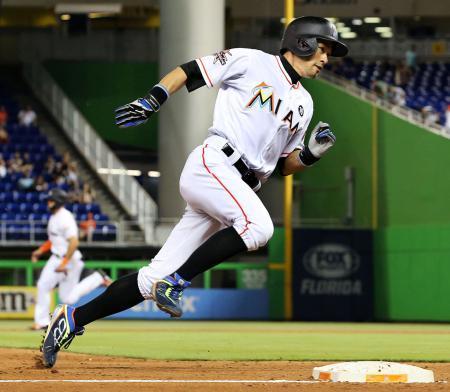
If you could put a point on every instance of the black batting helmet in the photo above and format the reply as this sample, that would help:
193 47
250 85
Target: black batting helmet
302 34
58 196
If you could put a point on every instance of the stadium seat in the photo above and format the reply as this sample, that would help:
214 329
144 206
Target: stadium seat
93 207
101 217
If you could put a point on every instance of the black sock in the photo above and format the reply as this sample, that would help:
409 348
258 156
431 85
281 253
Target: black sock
222 245
120 295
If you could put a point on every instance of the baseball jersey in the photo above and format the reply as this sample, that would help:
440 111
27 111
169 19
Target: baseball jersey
62 226
262 109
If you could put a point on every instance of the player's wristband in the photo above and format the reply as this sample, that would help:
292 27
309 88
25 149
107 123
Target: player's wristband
64 262
306 157
157 95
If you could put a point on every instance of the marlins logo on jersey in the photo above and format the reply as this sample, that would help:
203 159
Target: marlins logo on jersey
265 96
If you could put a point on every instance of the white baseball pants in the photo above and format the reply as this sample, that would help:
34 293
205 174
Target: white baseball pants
216 198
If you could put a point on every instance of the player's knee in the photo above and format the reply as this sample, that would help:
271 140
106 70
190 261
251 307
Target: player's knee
258 232
263 232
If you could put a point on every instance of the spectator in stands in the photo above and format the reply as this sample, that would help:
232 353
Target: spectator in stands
49 166
26 158
380 88
27 116
429 115
87 227
72 176
60 180
4 137
58 170
410 58
15 163
40 184
397 95
3 168
3 116
402 74
66 160
26 182
88 194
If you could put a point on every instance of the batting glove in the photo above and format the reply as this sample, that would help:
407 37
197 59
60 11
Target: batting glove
320 141
134 113
140 110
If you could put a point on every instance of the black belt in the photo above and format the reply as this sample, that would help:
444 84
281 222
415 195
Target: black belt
247 174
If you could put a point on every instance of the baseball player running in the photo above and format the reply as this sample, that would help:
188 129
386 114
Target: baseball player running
64 266
261 116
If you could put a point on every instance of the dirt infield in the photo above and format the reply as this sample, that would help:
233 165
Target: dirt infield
91 373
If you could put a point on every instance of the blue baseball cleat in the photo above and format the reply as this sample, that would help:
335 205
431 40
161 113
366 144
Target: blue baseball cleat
167 294
60 333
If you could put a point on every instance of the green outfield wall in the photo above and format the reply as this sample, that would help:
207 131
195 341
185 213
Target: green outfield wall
97 88
412 273
323 187
412 237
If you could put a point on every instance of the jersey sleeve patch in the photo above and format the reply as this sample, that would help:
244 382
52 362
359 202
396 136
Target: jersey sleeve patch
195 78
225 66
222 57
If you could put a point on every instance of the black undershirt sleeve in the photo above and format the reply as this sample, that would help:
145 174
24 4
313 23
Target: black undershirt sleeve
194 76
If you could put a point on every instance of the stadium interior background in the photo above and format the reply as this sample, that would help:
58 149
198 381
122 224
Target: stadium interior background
370 224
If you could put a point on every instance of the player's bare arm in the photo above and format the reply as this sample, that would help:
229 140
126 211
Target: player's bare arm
174 80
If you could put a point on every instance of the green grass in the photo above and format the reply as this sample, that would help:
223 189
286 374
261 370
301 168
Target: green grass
191 340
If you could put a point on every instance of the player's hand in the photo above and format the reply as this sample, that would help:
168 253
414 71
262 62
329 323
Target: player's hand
134 113
35 256
62 269
321 139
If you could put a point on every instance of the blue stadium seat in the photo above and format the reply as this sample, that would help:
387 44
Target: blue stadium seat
12 207
94 208
32 197
79 208
36 216
101 217
21 217
39 207
40 231
19 197
7 197
7 216
12 232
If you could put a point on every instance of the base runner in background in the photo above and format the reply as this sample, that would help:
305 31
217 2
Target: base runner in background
261 116
64 267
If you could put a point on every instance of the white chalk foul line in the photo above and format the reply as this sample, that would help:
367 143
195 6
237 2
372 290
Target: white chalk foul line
169 381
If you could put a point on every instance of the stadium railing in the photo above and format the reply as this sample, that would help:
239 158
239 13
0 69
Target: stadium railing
133 198
31 232
114 268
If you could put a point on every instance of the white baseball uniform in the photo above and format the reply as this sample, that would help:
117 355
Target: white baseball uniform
61 227
262 111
